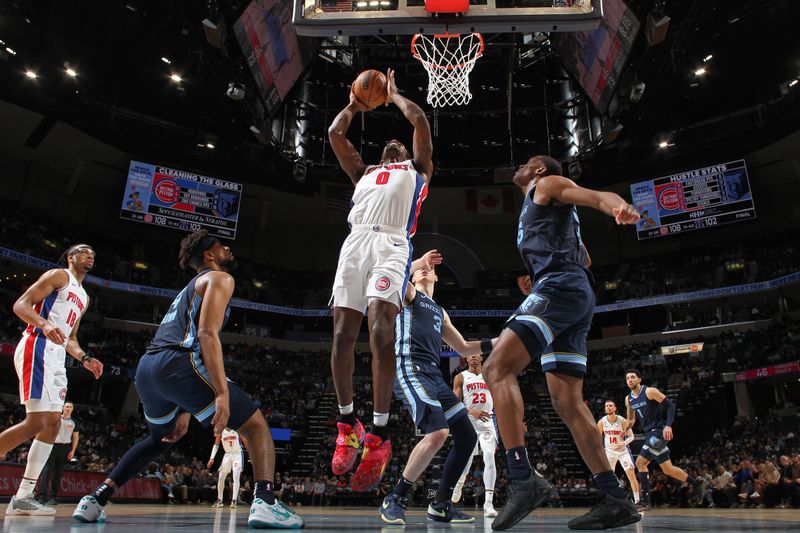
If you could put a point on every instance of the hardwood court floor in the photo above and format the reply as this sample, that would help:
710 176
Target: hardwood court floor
131 518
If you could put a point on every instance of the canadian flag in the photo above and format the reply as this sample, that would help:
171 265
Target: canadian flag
490 201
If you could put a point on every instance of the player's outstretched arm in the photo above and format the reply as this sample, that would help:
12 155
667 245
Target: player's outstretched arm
218 292
600 429
50 281
349 158
423 142
629 437
566 191
428 261
456 341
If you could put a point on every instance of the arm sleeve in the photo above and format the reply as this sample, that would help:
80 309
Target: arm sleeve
629 437
671 408
214 451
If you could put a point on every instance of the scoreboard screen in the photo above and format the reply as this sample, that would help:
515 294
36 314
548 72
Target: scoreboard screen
181 200
697 199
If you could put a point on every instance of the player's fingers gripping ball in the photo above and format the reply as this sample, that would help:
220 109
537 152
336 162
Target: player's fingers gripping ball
370 88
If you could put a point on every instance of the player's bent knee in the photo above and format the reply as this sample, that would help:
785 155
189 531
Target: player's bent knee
439 437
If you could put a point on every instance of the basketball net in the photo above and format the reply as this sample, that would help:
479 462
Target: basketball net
448 59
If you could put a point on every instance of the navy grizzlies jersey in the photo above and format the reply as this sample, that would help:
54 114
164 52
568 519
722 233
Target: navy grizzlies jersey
650 412
419 333
178 329
549 238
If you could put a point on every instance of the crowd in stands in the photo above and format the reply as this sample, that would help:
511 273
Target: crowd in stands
755 258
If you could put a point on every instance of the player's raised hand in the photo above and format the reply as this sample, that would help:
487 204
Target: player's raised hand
391 86
355 105
94 366
179 430
431 258
223 411
625 214
54 334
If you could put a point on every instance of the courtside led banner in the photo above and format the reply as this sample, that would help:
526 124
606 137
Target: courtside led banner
181 200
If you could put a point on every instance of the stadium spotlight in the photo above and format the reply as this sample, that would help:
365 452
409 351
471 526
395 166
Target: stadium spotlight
71 73
175 77
31 74
663 144
708 58
166 60
700 72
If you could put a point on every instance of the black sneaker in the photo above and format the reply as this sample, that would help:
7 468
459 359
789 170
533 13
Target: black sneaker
609 513
644 505
524 495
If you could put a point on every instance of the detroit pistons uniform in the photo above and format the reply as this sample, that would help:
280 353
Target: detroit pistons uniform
477 396
376 256
40 362
232 461
615 442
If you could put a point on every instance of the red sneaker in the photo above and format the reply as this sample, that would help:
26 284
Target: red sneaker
377 454
348 442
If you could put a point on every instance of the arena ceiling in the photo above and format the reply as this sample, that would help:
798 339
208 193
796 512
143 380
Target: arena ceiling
123 53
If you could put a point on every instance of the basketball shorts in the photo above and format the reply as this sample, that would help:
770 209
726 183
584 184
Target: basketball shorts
487 436
655 448
231 462
374 264
622 456
554 320
170 382
430 401
42 376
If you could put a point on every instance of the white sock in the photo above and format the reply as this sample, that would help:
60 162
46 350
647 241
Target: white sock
37 457
489 497
636 496
346 409
380 419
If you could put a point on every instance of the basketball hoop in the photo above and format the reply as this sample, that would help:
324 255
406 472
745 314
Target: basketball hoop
448 59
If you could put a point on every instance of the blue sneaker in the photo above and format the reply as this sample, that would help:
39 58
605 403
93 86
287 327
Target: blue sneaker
393 509
446 512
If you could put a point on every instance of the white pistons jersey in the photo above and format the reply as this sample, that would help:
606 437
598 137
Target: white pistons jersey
62 307
230 441
389 195
613 435
475 392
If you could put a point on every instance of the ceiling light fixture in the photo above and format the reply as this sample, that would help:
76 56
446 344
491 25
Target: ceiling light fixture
71 73
793 83
175 77
699 72
10 51
166 60
663 144
31 74
209 146
708 58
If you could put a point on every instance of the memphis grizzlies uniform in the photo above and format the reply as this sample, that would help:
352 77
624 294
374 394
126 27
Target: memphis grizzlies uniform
554 319
419 382
232 460
477 396
171 376
654 418
40 362
376 256
615 442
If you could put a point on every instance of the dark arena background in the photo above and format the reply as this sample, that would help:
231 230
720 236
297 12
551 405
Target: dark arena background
127 124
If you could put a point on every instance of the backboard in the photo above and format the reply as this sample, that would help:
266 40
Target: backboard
324 18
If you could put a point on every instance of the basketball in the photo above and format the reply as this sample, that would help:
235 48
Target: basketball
370 88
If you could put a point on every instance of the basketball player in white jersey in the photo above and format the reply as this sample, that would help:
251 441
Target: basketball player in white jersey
472 390
52 307
372 274
616 433
231 461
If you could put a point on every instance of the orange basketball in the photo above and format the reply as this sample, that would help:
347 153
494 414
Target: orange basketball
370 88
